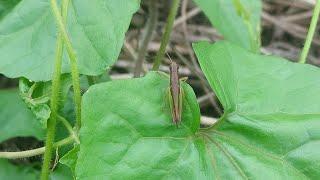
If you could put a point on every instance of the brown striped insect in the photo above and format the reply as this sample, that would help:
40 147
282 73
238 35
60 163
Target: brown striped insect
175 93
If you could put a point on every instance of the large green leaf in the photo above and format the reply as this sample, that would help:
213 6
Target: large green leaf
237 20
15 117
269 130
271 124
96 28
127 130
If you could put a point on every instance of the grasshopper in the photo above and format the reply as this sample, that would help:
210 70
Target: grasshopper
175 92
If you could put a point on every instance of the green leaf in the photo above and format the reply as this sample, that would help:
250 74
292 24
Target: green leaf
18 172
271 124
16 119
37 95
270 127
129 121
61 172
6 6
237 20
70 158
13 172
96 29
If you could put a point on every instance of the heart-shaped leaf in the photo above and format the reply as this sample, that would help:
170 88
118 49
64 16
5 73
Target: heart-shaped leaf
127 123
16 119
96 30
237 20
271 124
270 127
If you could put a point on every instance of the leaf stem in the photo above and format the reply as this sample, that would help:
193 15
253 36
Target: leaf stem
73 62
69 128
35 152
311 31
150 27
166 36
54 103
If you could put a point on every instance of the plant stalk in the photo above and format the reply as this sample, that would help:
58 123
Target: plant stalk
311 31
34 152
150 27
166 35
54 103
73 62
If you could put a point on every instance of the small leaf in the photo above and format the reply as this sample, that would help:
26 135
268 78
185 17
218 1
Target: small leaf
42 112
237 20
37 95
62 172
15 117
96 29
70 158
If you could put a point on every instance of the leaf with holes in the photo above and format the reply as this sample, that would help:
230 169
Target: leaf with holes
237 20
37 95
96 30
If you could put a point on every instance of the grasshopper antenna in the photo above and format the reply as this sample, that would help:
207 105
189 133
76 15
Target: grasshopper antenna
169 57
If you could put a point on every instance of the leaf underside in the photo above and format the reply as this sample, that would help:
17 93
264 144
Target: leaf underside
270 128
96 29
16 118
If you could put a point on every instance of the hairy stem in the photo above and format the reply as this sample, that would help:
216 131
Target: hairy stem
150 27
73 62
54 100
34 152
166 35
311 31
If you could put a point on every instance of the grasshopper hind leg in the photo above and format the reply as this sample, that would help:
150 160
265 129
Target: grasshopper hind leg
181 96
170 100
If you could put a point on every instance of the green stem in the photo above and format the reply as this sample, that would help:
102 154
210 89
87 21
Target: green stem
54 100
34 152
311 31
73 62
69 128
150 26
166 35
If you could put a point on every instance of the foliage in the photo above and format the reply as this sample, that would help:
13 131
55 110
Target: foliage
13 172
271 110
16 119
30 26
237 20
